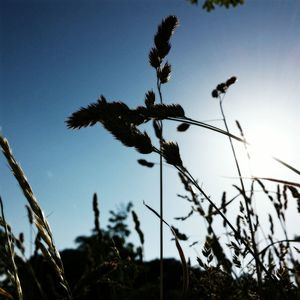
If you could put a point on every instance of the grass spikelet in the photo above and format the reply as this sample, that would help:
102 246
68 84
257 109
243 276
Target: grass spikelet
157 129
88 116
163 35
183 127
181 236
230 81
37 213
12 269
271 224
207 251
164 111
149 98
154 58
186 217
96 216
129 135
170 152
295 195
29 214
143 143
219 254
137 227
165 73
19 242
145 163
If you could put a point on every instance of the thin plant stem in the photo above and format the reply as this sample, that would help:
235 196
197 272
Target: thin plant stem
258 271
205 125
161 196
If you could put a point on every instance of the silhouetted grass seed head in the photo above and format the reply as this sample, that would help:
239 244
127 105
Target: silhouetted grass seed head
165 73
231 81
149 98
183 127
163 35
222 87
170 152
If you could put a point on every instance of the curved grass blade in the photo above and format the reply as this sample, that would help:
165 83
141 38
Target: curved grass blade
290 183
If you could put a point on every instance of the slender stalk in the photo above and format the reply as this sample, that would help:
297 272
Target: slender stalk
204 125
258 270
158 84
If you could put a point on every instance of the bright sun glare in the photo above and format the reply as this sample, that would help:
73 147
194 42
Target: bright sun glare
265 144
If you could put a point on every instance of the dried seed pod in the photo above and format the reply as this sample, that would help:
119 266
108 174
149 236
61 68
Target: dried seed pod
185 217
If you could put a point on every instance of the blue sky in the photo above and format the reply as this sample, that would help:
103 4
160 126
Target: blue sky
57 56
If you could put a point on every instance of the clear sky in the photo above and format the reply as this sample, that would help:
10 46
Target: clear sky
57 56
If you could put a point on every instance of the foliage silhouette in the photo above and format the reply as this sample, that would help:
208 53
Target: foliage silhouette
210 5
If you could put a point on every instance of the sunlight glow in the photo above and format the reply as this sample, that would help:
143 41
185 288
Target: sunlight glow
265 144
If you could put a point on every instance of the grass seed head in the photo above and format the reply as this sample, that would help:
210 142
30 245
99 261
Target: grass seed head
163 35
149 98
154 58
170 151
165 73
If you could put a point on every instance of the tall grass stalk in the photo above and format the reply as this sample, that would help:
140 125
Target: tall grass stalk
163 70
251 228
161 203
50 252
